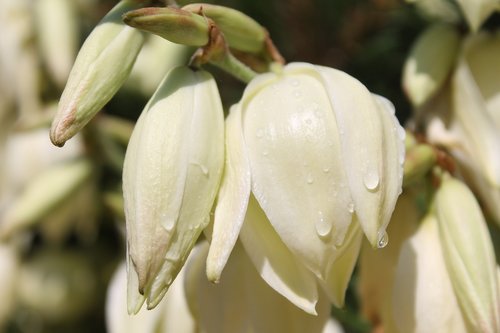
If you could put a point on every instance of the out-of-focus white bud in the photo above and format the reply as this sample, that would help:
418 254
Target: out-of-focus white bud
243 302
9 266
477 11
172 315
57 31
101 67
320 154
468 254
378 266
171 175
423 299
45 193
430 62
157 57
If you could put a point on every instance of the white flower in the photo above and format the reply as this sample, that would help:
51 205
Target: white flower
319 153
171 175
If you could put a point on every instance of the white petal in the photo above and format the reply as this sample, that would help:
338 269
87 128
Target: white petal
294 152
337 280
362 148
423 300
481 137
232 198
205 148
274 261
243 302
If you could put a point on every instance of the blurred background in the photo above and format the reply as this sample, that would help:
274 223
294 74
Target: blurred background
57 254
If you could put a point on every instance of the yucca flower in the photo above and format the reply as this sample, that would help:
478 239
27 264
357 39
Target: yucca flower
171 175
323 158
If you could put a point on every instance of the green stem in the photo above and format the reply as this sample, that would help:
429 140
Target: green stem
233 66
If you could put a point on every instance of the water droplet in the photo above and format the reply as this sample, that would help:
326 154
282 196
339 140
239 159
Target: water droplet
295 83
350 207
202 167
265 153
260 133
382 242
168 222
326 170
310 179
371 180
297 94
323 226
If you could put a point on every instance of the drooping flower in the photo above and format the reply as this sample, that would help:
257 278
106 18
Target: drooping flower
171 175
320 155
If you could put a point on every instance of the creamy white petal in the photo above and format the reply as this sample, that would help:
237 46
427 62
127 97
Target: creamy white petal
243 302
232 198
423 300
340 271
294 152
275 263
482 138
205 148
362 148
469 255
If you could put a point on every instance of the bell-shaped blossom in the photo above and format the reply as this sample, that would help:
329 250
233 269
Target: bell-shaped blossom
322 157
171 175
101 67
243 302
423 299
469 255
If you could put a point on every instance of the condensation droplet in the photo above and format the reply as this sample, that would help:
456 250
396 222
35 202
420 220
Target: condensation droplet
323 226
167 222
371 180
310 179
297 94
202 167
383 241
265 153
350 207
326 170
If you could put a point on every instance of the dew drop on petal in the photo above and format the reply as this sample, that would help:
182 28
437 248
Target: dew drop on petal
265 153
371 180
350 207
401 133
168 222
382 242
323 226
310 179
326 170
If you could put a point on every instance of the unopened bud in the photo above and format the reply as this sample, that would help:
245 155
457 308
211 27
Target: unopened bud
102 66
176 25
240 31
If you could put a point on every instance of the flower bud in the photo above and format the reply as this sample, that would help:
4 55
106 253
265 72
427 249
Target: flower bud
175 25
240 31
171 175
46 192
430 62
469 255
101 67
